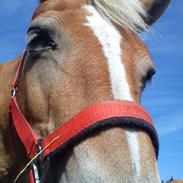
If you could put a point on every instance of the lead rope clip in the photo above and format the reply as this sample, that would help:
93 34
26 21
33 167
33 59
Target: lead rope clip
36 173
35 166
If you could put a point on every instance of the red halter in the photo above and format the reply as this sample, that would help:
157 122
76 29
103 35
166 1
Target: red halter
96 116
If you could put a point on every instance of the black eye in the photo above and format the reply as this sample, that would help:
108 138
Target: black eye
147 78
40 39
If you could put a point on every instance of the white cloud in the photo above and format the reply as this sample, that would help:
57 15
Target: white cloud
170 123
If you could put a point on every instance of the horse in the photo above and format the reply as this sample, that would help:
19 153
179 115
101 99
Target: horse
80 53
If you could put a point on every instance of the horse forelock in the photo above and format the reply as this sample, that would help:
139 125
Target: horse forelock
116 11
119 11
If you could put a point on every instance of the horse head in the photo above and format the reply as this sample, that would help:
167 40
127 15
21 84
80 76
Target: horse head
82 52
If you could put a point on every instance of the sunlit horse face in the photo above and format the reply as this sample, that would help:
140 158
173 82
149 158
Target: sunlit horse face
79 56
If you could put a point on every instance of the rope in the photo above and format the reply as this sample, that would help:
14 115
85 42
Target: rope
34 158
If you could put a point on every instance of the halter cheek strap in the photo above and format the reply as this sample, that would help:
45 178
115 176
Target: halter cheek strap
95 117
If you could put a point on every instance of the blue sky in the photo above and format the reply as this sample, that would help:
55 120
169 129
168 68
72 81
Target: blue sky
163 98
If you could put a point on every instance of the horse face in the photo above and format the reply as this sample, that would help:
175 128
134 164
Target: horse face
73 61
77 57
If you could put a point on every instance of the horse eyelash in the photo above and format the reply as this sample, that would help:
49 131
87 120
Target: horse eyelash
150 74
30 37
147 78
36 38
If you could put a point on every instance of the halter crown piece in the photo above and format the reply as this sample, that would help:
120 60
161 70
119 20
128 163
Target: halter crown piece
95 117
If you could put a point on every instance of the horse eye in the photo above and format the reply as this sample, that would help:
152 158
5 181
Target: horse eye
40 40
148 77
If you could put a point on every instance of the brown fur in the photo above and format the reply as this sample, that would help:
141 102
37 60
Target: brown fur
59 5
7 72
82 79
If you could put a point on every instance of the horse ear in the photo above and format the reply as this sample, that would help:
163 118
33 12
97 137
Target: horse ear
155 9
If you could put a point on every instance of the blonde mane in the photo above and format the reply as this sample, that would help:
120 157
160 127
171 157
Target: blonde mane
126 13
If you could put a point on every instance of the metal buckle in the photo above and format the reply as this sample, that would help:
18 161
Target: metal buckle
36 173
36 167
14 92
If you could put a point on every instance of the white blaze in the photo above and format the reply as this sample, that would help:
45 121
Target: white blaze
110 40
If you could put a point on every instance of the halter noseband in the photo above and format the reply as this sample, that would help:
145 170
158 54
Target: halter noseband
95 117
